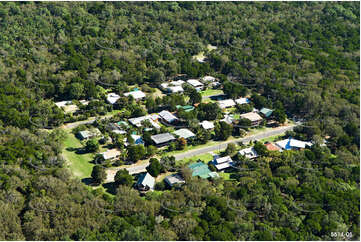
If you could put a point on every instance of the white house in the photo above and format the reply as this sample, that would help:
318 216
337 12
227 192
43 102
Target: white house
290 143
145 182
112 97
223 162
208 79
175 89
195 84
250 153
207 125
137 95
242 100
110 154
226 103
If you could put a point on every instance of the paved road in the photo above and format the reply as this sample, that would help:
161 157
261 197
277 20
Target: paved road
223 145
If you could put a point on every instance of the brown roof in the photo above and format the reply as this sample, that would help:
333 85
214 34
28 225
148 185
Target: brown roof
271 147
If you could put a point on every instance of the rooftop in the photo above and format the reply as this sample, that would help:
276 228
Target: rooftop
135 94
226 103
184 133
207 125
162 138
271 147
194 83
266 112
200 169
252 116
168 116
110 154
174 179
146 180
112 97
242 100
250 153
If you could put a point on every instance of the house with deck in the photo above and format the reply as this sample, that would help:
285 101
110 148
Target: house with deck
255 118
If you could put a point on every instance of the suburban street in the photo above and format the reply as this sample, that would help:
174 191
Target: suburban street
266 134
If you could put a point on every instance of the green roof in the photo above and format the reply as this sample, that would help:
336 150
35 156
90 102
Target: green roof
200 169
266 111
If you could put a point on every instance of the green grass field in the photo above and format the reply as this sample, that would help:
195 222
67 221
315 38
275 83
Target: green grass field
203 157
210 92
79 164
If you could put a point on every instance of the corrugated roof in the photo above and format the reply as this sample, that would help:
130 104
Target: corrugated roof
184 133
146 180
162 138
135 94
200 169
266 112
168 116
251 116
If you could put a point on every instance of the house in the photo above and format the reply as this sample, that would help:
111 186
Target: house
112 97
207 125
223 162
208 79
266 112
201 170
253 117
228 119
175 89
87 134
116 128
177 83
242 100
249 153
164 85
186 108
168 116
195 84
184 133
162 139
145 182
67 106
151 117
271 147
137 139
137 95
226 103
110 154
174 179
290 143
84 102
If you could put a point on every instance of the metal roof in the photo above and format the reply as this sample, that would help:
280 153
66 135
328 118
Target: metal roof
162 138
184 133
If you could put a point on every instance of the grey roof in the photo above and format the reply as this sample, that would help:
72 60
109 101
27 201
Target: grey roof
146 180
184 133
168 116
174 179
162 138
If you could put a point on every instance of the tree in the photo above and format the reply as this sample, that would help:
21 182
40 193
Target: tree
181 143
92 145
154 168
136 152
76 90
260 148
208 111
194 96
231 149
98 174
223 130
279 115
122 177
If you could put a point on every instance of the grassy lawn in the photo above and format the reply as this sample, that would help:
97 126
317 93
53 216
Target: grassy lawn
211 92
270 139
79 164
203 157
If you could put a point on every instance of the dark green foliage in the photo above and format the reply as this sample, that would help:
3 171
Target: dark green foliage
92 145
98 174
122 177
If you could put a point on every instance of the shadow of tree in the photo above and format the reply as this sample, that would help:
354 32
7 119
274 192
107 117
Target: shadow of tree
110 187
89 181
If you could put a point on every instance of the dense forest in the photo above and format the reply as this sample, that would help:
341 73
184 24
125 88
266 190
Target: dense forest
301 56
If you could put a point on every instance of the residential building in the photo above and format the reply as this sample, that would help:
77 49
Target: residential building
223 162
196 84
266 112
290 143
168 116
145 182
242 100
177 83
228 119
228 103
67 106
151 117
112 97
201 170
116 128
137 139
110 154
175 89
137 95
249 153
208 79
207 125
173 179
162 139
184 133
253 117
87 134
